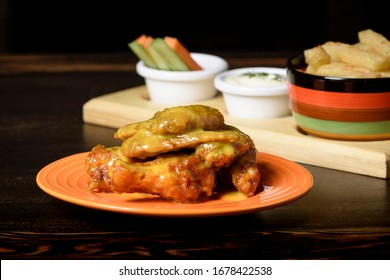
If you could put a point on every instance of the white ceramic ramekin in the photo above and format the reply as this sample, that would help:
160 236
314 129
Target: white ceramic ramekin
183 87
254 101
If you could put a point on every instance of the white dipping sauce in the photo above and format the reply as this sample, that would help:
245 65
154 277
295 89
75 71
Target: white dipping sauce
254 92
256 79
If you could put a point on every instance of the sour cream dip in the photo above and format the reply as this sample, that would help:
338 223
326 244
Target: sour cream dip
258 79
254 92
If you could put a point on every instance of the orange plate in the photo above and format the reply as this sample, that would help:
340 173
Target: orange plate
283 182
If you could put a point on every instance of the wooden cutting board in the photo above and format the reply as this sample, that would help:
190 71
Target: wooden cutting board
274 136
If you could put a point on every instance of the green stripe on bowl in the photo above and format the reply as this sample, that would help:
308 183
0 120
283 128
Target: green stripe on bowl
361 128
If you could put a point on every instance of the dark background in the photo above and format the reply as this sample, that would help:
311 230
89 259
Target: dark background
261 26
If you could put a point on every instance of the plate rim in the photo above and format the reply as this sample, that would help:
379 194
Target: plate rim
174 212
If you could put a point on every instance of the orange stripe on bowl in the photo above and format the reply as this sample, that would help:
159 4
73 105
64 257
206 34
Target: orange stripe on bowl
340 114
339 100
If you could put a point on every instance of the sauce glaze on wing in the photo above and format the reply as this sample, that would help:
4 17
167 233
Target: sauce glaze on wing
177 154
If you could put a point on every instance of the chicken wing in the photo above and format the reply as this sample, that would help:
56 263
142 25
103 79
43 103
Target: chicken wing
178 154
245 173
176 120
145 144
175 176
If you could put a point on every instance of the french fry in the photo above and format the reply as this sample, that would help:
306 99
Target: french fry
357 56
367 58
363 46
342 69
315 57
376 40
333 50
385 74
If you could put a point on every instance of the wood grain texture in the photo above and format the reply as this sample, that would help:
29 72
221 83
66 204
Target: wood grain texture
356 243
275 136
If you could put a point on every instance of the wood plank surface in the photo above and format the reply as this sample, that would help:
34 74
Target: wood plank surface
275 136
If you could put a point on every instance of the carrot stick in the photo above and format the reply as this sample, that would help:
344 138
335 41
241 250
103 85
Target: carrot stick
175 44
144 40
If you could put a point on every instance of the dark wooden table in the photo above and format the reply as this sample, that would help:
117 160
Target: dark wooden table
344 216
